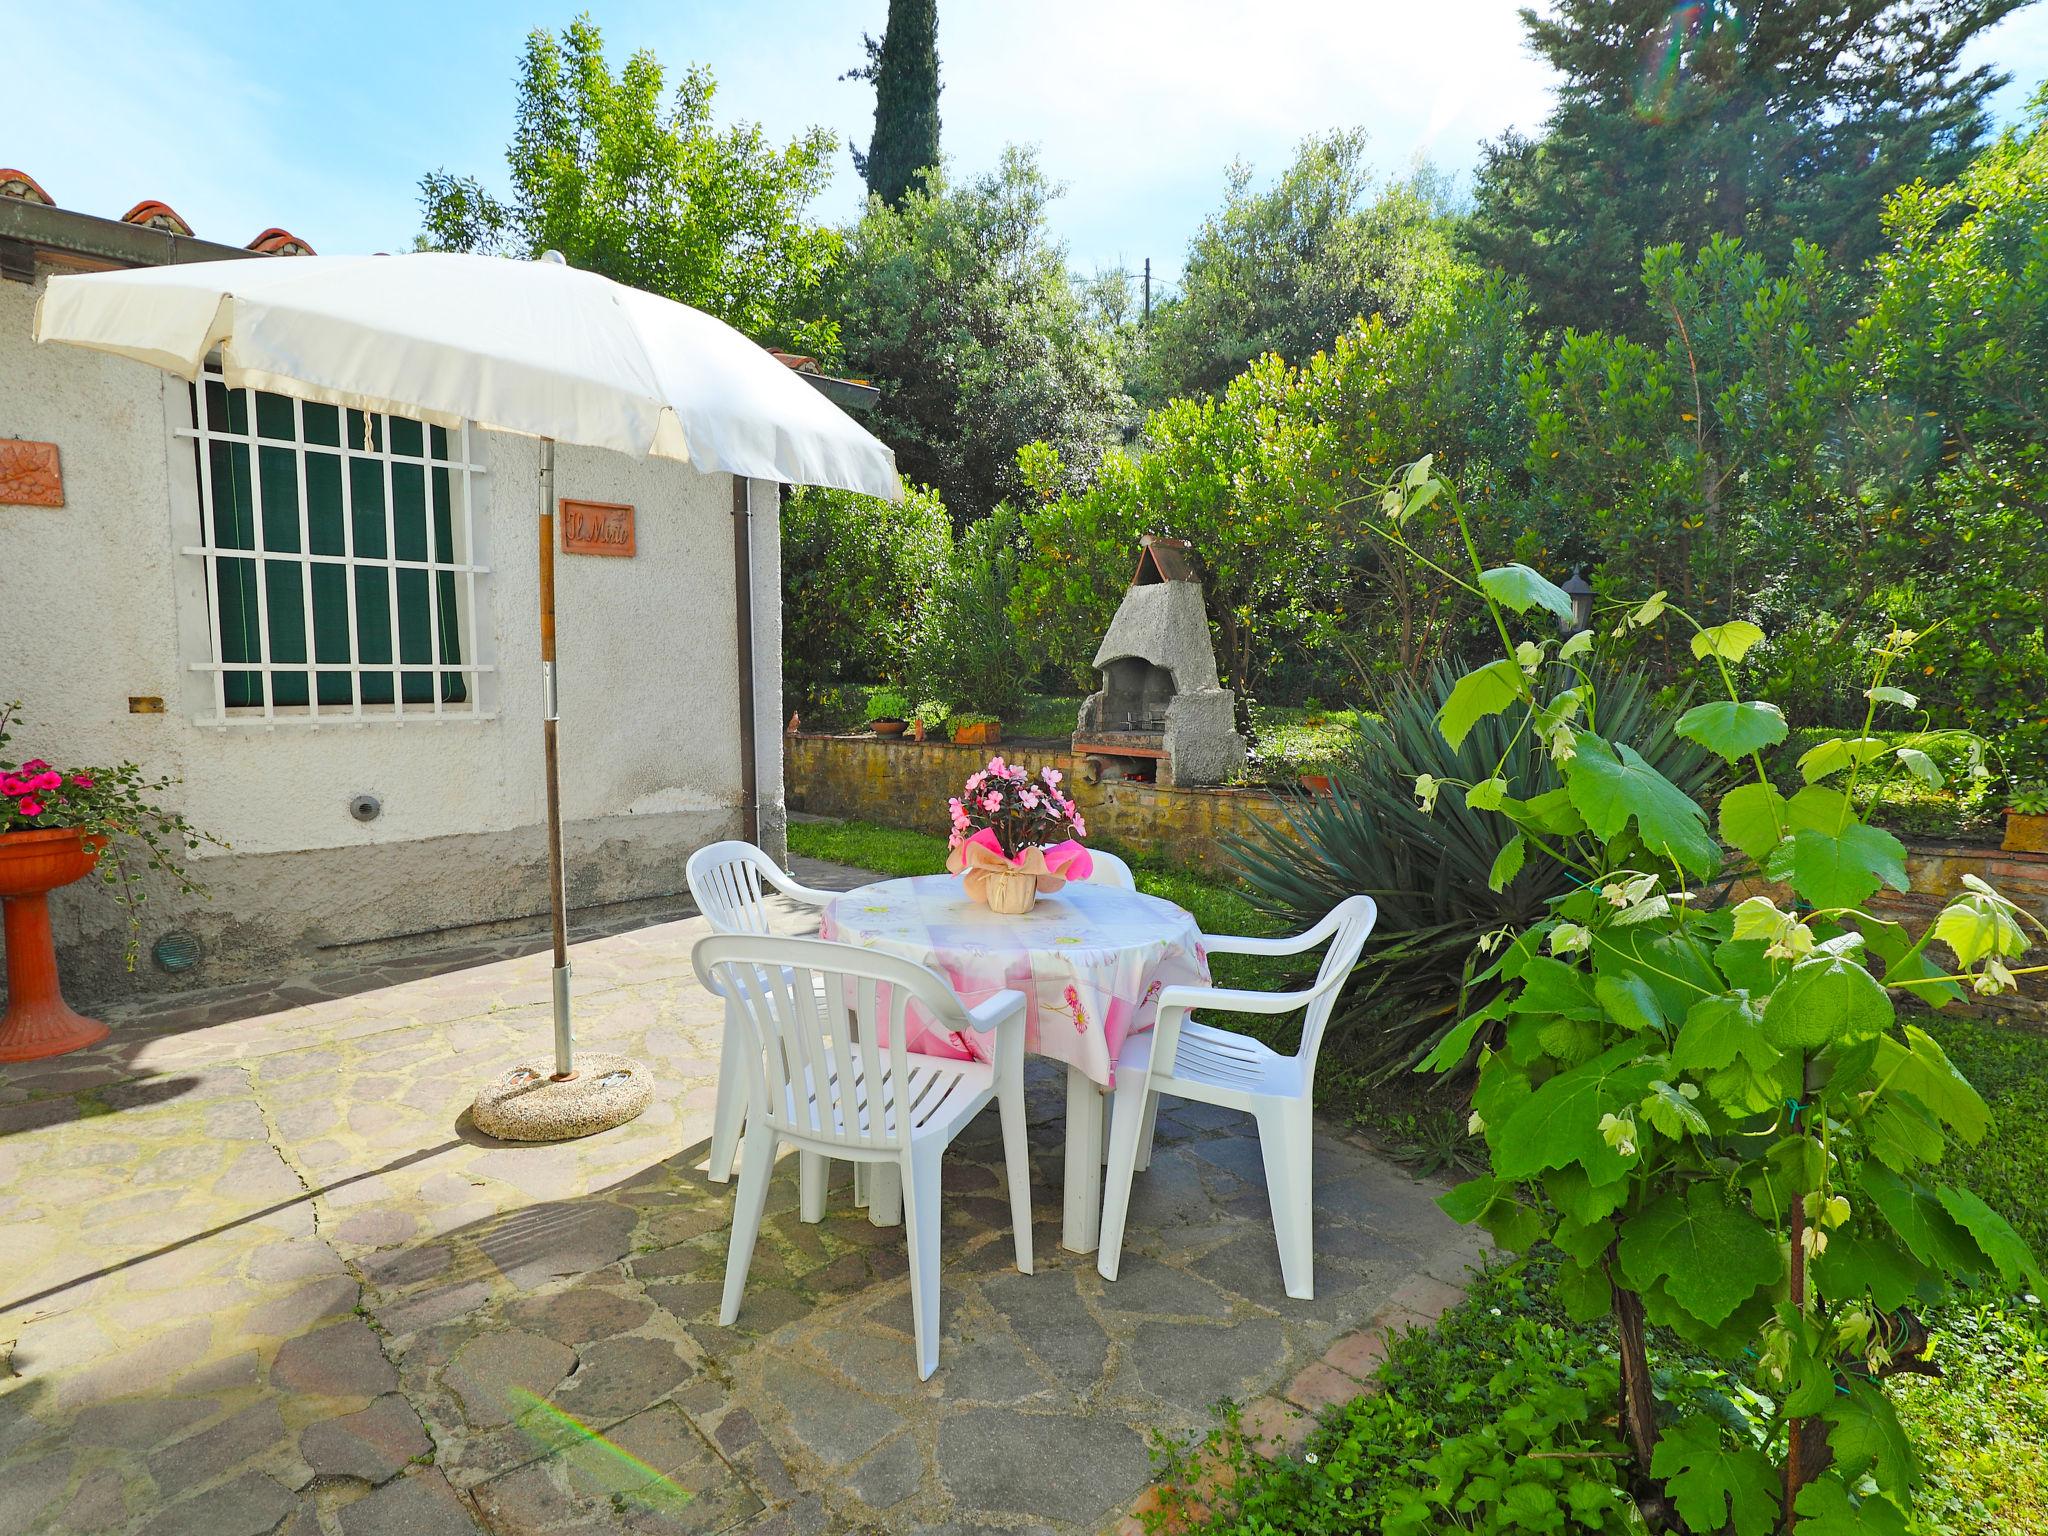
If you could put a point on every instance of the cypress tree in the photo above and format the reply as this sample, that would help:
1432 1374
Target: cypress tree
904 66
1767 120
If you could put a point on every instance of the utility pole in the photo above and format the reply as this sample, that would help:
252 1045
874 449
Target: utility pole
1148 290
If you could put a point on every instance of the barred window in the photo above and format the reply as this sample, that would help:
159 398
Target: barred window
339 554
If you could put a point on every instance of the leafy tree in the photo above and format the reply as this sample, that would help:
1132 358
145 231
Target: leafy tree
958 306
968 652
1957 331
1727 117
1287 269
904 67
660 200
856 572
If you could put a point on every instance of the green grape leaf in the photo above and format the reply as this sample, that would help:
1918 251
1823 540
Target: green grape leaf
1610 785
1791 1169
1579 1198
1550 812
1717 1029
1906 966
1463 1202
1710 1255
1753 819
1585 1241
1865 1434
1817 806
1842 869
1928 1231
1826 999
1672 1112
1826 1509
1994 1235
1746 965
1519 588
1507 863
1450 1051
1734 730
1885 693
1715 1482
1551 986
1920 765
1856 1262
1487 794
1902 1134
1577 645
1478 694
1629 1001
1585 1294
1921 1068
1837 753
1730 641
1980 923
1559 1124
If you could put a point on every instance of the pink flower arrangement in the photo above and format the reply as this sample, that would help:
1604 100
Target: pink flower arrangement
1019 810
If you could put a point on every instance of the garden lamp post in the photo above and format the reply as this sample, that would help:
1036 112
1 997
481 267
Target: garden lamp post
1581 594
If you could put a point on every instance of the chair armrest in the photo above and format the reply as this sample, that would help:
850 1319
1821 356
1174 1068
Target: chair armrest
1237 944
1231 1000
796 890
994 1011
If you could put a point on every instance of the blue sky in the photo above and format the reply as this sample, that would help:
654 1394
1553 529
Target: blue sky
321 118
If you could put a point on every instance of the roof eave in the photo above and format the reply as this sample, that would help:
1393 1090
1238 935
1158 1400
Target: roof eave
30 232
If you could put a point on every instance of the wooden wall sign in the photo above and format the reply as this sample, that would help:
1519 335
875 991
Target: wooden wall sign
29 474
596 528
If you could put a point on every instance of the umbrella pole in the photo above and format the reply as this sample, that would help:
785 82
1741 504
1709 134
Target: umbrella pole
529 1103
558 899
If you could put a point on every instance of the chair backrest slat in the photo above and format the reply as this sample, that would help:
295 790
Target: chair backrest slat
1110 870
813 1013
728 883
1352 918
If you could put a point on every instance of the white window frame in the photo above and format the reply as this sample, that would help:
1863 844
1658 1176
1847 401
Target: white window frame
200 581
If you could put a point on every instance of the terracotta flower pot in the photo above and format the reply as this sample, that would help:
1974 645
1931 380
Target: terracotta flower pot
1316 783
985 734
887 727
38 1021
2025 833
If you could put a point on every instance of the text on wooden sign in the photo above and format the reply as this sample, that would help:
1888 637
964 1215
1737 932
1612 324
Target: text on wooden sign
597 528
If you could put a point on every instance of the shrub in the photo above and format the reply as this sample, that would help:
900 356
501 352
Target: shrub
855 573
1434 874
889 704
967 650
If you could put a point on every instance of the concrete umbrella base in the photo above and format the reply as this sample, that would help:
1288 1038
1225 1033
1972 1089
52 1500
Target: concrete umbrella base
527 1104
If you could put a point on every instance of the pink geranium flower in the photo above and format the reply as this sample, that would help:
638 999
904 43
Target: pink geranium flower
81 780
30 807
50 779
10 785
34 765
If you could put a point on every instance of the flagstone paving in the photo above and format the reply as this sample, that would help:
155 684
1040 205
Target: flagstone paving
258 1275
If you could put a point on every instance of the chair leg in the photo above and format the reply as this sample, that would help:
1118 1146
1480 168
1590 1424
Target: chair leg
1124 1123
863 1175
885 1195
730 1114
1145 1135
811 1170
920 1176
1017 1161
757 1163
1287 1144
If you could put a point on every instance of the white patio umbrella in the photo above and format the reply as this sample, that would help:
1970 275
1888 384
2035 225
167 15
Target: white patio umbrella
534 347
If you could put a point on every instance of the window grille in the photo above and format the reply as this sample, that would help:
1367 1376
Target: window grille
339 556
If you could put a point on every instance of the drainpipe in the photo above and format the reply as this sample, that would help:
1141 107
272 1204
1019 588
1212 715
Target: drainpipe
743 604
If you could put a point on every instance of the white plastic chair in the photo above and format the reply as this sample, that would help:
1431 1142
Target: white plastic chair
1191 1060
812 1017
730 882
1110 870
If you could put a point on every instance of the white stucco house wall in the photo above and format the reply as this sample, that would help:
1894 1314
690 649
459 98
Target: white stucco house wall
118 622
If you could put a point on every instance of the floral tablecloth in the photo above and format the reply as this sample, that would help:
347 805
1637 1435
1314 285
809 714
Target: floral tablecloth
1091 960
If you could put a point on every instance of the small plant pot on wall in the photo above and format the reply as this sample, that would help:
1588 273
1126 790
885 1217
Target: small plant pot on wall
2026 832
888 727
1316 783
977 733
38 1021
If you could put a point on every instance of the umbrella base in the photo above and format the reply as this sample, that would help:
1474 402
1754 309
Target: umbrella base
526 1104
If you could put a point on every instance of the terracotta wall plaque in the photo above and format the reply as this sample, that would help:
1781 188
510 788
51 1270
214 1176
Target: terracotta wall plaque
29 474
596 528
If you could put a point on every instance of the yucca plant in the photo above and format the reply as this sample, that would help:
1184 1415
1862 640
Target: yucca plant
1428 871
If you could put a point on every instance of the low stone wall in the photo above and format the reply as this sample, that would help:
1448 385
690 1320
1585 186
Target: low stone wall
907 783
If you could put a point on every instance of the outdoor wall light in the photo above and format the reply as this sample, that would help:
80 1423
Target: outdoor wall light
1576 588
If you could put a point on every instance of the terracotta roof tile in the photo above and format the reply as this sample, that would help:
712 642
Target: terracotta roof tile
20 184
152 214
280 242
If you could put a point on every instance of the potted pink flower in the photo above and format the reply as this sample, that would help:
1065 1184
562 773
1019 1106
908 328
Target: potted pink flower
1014 836
58 825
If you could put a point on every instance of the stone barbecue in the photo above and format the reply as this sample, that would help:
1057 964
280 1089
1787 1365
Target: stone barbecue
1160 713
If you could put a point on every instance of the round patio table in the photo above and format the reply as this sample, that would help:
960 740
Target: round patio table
1091 961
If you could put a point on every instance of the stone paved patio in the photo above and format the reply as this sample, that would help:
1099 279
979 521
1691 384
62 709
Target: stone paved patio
257 1274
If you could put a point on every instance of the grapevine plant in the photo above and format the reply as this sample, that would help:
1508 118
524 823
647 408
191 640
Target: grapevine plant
1710 1106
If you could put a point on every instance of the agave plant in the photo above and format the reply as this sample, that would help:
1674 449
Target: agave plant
1429 872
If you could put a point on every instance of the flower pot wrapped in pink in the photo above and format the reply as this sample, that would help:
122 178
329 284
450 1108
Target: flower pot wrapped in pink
1013 837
